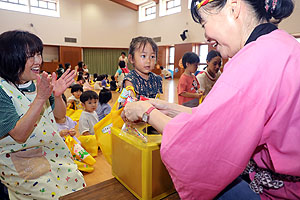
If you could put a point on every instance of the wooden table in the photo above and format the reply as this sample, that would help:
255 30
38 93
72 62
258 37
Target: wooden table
111 189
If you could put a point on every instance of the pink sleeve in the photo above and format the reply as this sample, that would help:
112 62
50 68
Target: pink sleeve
205 151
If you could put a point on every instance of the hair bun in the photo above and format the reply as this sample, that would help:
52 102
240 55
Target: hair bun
278 9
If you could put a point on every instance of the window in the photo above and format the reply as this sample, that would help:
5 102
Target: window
40 7
172 4
171 58
202 51
168 7
147 11
189 4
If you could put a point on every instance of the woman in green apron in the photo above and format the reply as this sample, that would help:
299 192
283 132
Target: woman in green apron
35 163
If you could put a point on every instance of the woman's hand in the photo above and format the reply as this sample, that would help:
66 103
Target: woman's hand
134 111
44 86
60 85
169 109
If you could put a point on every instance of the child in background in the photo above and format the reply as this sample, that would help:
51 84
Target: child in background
103 108
60 70
66 126
120 74
89 117
142 55
165 73
188 86
113 84
104 81
74 99
210 75
95 75
98 83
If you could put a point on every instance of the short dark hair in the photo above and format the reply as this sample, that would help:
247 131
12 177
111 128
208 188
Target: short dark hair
122 64
76 88
113 78
139 42
87 95
191 58
15 48
67 65
80 77
60 65
212 54
80 64
123 53
104 96
100 77
282 9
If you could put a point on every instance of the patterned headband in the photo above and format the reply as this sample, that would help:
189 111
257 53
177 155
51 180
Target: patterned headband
203 3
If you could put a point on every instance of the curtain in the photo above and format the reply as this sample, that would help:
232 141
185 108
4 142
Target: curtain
102 61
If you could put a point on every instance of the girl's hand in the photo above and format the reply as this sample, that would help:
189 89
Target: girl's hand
44 86
60 85
72 132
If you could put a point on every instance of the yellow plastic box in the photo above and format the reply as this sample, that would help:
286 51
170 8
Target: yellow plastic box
138 166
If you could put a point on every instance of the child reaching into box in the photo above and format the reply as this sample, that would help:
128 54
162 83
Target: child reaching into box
142 55
188 85
89 117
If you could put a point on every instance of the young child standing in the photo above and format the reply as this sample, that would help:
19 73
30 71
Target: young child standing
188 85
74 99
103 108
89 117
142 55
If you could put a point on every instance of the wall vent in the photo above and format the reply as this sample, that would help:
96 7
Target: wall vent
157 39
72 40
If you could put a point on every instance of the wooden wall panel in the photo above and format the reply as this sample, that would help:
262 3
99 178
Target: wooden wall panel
161 59
180 50
50 66
70 55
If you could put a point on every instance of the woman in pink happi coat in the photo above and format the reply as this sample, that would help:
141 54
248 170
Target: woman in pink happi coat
251 117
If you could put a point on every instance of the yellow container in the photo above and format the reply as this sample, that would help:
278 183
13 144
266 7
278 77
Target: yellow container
138 166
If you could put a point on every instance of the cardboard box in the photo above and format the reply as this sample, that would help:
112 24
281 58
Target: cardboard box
138 165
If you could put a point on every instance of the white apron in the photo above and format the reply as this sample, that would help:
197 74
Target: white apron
40 168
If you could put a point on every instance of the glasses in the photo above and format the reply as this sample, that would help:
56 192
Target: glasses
36 56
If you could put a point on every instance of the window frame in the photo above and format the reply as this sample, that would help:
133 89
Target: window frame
143 16
29 6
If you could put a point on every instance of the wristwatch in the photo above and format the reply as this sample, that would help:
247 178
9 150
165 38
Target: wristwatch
145 117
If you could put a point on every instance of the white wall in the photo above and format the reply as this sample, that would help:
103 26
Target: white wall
51 30
107 24
170 27
102 23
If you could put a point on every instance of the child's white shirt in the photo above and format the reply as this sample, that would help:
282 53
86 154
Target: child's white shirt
87 121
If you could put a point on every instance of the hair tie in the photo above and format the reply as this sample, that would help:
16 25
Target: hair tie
270 4
203 3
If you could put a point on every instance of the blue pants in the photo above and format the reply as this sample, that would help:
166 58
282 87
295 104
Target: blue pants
238 190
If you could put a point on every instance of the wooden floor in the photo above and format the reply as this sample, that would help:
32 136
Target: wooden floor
102 170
